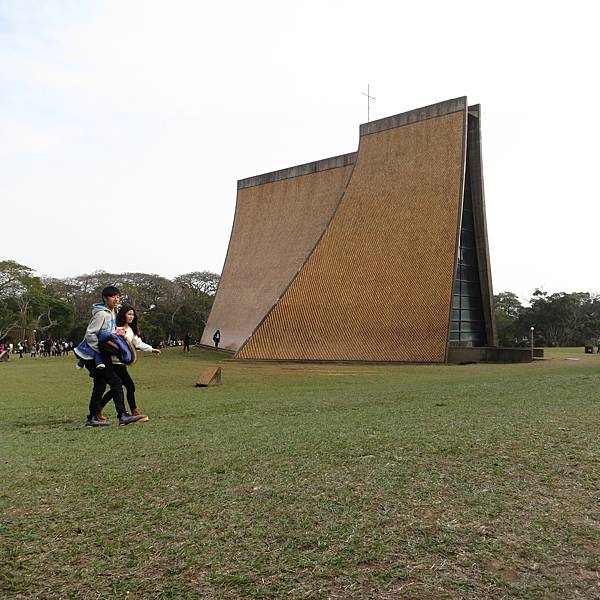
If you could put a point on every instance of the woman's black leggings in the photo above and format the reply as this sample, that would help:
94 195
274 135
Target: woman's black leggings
123 375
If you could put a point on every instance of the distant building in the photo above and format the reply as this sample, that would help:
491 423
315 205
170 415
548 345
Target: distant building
377 255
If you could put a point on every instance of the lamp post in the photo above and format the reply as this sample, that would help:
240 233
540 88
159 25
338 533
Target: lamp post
531 330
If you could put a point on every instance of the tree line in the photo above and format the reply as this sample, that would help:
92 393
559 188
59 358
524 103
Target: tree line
169 309
559 319
60 308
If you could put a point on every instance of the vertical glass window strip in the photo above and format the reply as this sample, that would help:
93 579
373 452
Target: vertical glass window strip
466 319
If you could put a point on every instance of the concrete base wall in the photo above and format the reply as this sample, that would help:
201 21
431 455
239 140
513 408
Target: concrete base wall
459 355
212 347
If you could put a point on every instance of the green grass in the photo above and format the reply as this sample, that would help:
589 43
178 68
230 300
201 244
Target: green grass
304 481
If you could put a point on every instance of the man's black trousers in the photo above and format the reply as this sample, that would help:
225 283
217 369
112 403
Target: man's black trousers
102 378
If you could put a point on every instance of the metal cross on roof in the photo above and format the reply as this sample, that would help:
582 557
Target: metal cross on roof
369 98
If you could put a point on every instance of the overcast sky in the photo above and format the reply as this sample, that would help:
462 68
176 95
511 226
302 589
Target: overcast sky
124 126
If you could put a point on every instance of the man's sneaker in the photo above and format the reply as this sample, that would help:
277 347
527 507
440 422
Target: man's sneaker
96 422
125 419
143 417
101 366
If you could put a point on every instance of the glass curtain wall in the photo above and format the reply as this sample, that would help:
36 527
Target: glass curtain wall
466 319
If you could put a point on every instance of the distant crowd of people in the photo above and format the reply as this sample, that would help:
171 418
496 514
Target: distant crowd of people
35 348
62 348
185 342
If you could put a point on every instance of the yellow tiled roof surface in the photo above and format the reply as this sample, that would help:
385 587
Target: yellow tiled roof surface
275 228
378 285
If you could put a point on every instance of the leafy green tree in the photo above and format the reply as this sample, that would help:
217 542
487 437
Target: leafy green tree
167 309
199 289
507 309
14 279
563 319
25 304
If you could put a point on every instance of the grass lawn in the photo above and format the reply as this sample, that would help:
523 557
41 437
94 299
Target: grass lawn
304 481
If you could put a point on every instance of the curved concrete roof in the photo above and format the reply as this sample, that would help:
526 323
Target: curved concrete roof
378 285
279 218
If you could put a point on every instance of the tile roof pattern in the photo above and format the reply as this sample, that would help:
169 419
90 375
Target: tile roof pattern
378 285
276 226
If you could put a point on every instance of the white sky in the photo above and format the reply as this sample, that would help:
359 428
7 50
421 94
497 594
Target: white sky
131 122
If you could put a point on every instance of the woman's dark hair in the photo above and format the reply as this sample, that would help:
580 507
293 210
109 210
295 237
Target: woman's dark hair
121 318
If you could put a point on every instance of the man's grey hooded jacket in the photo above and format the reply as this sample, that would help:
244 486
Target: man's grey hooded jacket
103 319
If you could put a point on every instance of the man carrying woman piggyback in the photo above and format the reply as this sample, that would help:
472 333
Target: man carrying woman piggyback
110 344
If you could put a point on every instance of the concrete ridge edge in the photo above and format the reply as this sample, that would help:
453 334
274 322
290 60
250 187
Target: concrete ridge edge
343 160
415 116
